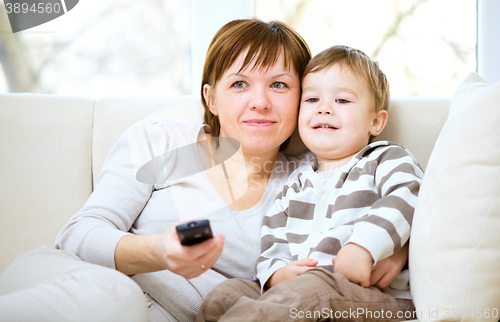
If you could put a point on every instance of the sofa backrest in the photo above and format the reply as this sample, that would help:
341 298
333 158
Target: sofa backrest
114 115
413 122
416 123
52 149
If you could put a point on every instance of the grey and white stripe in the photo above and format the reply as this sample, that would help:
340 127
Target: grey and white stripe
370 202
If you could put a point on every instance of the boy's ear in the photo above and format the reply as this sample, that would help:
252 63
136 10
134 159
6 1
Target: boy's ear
209 98
379 122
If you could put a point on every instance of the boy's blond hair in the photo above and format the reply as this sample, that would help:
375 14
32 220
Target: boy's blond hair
360 64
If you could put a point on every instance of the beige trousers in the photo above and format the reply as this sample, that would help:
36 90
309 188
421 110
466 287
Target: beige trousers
317 295
53 285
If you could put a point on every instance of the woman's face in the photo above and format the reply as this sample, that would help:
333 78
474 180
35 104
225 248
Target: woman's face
258 107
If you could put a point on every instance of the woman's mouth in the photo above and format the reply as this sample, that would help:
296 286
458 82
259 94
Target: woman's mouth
259 122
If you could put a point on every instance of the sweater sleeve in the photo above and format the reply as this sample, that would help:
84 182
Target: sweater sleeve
386 227
117 200
275 253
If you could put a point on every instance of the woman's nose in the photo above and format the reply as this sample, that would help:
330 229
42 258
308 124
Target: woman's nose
260 99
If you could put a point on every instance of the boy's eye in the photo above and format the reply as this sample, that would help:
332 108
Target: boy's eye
278 85
240 84
312 100
341 101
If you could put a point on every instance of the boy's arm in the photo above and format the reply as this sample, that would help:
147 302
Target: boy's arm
386 227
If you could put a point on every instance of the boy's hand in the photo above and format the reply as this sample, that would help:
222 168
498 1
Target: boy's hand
291 270
355 263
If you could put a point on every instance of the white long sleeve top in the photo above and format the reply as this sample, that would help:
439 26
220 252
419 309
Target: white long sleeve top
122 205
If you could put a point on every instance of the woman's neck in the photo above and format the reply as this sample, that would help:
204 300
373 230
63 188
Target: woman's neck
257 165
241 178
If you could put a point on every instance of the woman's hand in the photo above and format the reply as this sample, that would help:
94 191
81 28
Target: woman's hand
187 261
137 254
387 269
291 270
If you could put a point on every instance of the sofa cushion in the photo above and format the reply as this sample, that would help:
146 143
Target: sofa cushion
455 243
45 169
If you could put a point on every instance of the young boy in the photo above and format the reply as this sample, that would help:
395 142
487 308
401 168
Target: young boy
337 216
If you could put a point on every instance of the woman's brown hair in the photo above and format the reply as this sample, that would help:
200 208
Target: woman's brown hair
263 43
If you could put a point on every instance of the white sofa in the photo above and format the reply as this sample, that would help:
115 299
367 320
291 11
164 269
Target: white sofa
52 149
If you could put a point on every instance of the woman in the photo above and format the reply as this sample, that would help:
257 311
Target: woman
251 91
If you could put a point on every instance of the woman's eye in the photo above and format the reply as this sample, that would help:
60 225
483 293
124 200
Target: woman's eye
342 101
240 84
278 85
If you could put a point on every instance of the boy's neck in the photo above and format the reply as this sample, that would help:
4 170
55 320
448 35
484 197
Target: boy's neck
328 164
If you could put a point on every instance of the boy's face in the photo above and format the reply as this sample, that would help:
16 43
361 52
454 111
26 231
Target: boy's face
337 114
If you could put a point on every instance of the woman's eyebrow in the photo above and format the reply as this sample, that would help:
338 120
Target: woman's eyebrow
282 74
236 75
275 76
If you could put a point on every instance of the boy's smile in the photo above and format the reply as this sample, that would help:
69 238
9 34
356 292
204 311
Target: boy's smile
325 126
337 115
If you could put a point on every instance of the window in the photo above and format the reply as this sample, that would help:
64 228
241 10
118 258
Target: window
426 48
157 47
102 48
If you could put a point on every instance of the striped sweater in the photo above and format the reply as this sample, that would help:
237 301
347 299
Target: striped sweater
369 201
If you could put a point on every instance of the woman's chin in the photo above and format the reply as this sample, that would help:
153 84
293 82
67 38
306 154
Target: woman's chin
260 148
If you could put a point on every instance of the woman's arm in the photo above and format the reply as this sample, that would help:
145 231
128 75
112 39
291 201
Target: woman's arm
111 209
99 233
137 254
386 270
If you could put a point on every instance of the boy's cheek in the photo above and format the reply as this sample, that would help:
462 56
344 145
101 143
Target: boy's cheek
302 125
304 116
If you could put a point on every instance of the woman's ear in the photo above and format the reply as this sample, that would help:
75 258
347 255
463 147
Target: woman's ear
209 98
379 122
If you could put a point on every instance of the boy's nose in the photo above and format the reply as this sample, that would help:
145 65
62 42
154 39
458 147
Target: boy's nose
325 109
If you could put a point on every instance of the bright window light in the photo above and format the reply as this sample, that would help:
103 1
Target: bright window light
426 48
